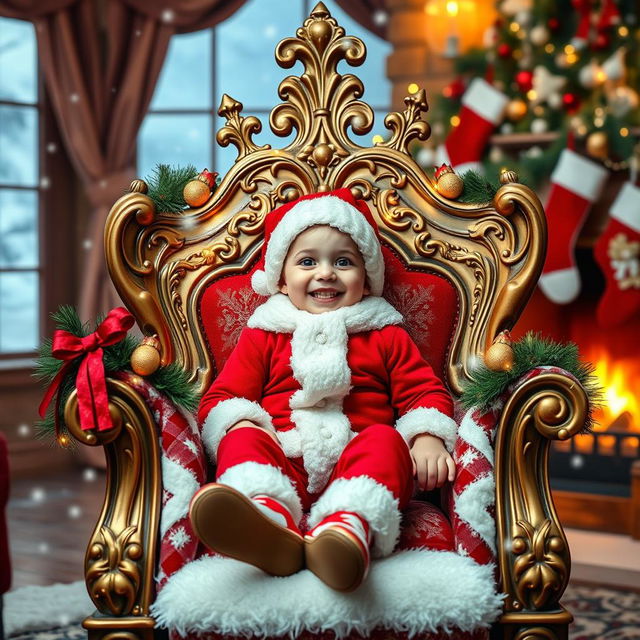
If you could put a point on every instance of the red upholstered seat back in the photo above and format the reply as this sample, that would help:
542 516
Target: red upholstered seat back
427 301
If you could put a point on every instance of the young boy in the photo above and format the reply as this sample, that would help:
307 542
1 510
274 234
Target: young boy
325 403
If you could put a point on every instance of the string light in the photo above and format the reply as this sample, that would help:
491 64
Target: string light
624 132
413 88
538 110
569 49
515 27
532 94
549 48
623 31
455 121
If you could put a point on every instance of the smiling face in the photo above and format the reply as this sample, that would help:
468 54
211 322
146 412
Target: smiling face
323 271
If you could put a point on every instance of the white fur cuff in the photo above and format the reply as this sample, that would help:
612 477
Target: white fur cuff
224 415
253 479
369 499
428 421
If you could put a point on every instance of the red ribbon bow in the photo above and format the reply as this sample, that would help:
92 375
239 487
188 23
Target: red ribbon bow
93 401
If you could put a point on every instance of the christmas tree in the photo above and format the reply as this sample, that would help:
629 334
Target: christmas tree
560 79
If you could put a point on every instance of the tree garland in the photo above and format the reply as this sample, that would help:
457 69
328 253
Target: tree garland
166 186
477 189
172 380
530 352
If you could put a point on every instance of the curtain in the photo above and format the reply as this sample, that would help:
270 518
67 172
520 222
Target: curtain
101 62
371 14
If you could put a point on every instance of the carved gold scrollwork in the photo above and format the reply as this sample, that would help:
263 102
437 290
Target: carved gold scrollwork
238 130
113 574
408 125
396 216
534 555
537 633
539 569
321 93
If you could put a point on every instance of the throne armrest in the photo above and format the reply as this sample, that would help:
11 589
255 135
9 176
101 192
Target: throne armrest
121 554
534 561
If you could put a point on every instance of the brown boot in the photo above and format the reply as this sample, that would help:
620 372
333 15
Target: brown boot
337 550
236 526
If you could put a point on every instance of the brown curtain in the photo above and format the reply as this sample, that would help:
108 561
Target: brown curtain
101 62
371 14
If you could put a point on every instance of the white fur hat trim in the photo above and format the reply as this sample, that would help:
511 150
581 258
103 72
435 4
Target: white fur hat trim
328 210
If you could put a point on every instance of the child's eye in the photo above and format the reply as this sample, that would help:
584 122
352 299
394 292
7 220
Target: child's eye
306 262
343 262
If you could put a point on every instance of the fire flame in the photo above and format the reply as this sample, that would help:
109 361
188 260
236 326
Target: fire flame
621 383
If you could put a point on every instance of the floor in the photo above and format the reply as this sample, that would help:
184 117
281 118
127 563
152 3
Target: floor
52 517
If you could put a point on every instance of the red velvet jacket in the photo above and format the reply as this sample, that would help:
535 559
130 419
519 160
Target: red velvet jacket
316 379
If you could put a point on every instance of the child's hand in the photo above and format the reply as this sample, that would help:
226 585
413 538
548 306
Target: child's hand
248 423
432 464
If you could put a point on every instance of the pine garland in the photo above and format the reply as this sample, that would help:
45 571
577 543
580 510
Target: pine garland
166 185
530 352
477 189
172 380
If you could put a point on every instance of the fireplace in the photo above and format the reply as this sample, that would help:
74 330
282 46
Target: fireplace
596 477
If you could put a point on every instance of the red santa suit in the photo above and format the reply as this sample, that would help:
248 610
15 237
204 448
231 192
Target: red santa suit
345 392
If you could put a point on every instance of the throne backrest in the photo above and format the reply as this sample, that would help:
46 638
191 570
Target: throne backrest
461 272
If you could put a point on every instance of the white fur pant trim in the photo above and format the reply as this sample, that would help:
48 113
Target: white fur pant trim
253 479
370 500
227 413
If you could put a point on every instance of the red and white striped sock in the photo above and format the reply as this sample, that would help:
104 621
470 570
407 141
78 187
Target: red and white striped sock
482 109
576 183
350 522
276 511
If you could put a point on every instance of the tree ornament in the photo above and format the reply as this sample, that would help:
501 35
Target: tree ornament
553 24
448 183
145 358
598 145
524 79
545 84
539 125
614 67
622 100
539 35
516 110
455 89
591 75
504 50
499 356
570 102
602 41
197 192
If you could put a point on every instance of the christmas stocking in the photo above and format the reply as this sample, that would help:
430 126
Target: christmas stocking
575 184
618 254
481 112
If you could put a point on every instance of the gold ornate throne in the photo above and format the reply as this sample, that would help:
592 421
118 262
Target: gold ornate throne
490 256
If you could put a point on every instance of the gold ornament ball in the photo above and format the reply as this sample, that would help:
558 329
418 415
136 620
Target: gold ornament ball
499 356
196 193
145 359
450 185
516 110
598 145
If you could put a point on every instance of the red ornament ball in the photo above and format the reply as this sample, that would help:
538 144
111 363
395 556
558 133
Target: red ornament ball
553 24
570 102
454 90
524 79
602 41
504 50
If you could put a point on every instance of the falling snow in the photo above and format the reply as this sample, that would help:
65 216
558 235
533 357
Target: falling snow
380 17
168 15
87 244
24 430
52 147
74 511
38 495
89 475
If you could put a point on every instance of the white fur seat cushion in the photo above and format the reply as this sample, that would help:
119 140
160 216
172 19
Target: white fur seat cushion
414 591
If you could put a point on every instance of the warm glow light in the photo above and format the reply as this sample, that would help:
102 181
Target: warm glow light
455 121
413 88
624 132
601 76
452 8
532 94
515 27
539 110
569 49
549 48
571 58
598 122
623 31
377 139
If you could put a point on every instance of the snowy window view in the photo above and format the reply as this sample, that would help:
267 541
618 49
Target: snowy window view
19 188
237 58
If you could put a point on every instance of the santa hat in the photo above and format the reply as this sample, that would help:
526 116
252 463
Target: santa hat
338 209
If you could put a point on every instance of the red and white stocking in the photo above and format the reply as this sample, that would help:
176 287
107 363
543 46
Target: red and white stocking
482 109
618 254
575 184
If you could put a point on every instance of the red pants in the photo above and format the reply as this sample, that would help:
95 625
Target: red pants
373 477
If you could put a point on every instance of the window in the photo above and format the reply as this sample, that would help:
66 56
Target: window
20 185
237 58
